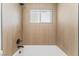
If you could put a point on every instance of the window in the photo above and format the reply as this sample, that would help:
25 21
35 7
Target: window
41 16
46 16
35 16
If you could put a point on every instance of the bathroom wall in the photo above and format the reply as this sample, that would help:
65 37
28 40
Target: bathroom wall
67 28
39 33
11 22
0 26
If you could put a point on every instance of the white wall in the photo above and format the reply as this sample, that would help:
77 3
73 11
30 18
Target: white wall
0 31
0 26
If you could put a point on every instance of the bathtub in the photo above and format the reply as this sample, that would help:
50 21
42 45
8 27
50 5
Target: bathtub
39 50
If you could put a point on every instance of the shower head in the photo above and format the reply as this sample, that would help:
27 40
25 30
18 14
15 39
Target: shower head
21 4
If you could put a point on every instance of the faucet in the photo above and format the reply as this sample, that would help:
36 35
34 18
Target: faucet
18 43
20 46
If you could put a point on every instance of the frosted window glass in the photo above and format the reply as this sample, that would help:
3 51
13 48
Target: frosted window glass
35 16
41 16
46 16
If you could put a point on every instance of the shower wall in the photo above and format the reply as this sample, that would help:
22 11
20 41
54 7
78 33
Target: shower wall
67 28
39 33
11 23
63 31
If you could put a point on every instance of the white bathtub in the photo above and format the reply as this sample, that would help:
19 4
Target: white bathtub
40 50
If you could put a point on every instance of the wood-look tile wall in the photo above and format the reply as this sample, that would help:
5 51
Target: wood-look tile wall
64 34
67 28
11 23
39 33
